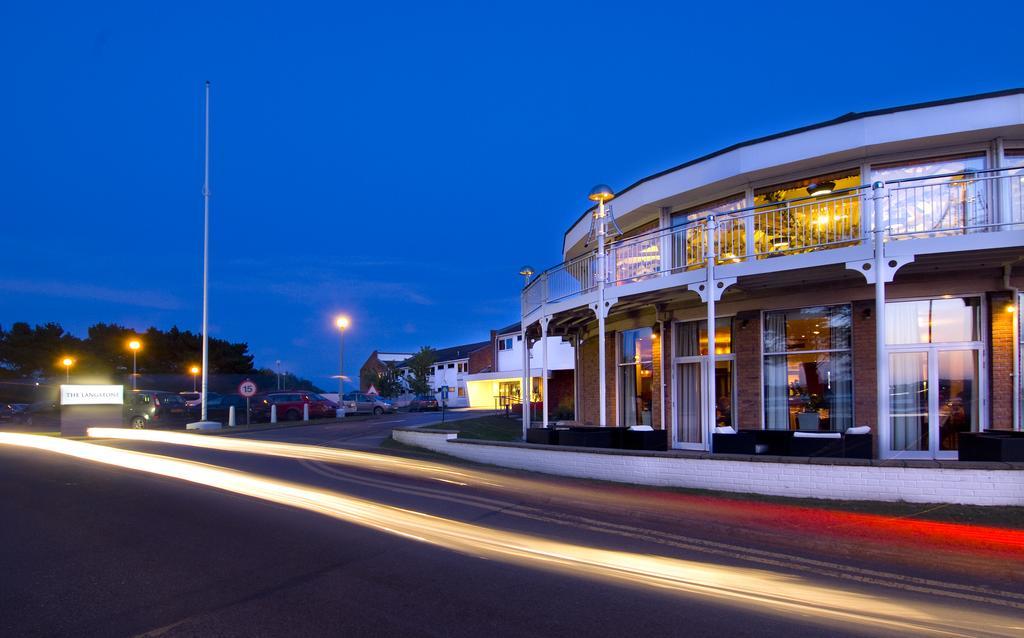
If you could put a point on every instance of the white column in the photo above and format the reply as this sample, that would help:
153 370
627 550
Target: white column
544 365
709 381
524 391
602 380
881 356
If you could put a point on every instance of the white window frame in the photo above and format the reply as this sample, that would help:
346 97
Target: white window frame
703 360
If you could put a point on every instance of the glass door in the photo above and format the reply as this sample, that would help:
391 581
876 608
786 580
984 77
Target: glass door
933 397
908 403
690 361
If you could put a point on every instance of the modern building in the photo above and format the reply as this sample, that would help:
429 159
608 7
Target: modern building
861 271
452 367
500 384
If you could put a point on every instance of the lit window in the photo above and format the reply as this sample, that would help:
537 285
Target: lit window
808 378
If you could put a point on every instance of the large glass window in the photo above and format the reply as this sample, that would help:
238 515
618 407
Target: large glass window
942 198
636 369
688 234
808 380
934 358
1013 191
807 214
933 321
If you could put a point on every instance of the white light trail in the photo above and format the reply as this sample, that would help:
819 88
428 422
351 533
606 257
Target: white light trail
747 588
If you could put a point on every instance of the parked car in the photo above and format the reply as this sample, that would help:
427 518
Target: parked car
11 411
193 399
423 402
154 409
217 408
360 402
289 406
41 414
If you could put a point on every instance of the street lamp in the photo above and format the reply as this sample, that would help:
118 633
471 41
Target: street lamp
343 323
526 272
194 370
134 346
67 362
602 194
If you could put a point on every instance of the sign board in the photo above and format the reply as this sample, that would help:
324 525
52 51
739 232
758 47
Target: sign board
372 390
247 388
92 394
444 393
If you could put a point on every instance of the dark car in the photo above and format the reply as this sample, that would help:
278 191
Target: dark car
153 409
217 408
423 402
192 399
290 405
41 414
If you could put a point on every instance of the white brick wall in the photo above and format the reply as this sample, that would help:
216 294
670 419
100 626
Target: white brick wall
841 482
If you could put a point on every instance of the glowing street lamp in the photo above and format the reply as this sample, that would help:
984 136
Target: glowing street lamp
67 362
134 346
526 272
343 323
194 370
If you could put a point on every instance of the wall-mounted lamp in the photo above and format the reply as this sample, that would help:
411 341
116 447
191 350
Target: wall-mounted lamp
821 188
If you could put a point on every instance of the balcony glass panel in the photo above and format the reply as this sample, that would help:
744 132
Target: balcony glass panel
688 234
1013 191
806 215
953 204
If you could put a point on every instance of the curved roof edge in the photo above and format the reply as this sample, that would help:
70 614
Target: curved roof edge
849 117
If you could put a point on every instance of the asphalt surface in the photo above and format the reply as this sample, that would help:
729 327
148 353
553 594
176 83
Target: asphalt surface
91 549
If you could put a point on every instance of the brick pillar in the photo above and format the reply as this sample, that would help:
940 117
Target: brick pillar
611 370
1001 361
747 346
865 382
588 410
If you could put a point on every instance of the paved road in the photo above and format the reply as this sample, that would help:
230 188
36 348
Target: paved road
94 549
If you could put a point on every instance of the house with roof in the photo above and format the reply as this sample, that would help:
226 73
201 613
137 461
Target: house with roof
500 384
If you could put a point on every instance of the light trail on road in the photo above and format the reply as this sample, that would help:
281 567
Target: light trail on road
750 589
973 540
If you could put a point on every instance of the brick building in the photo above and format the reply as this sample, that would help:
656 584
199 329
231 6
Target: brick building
776 243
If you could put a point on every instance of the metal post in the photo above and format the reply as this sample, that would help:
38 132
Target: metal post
709 380
524 391
206 255
341 376
602 381
881 357
544 366
135 371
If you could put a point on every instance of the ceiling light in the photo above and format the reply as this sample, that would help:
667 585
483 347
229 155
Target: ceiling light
821 188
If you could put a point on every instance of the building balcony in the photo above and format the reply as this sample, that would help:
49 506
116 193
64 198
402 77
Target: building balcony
969 211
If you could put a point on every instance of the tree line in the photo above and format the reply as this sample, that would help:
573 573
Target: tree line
36 351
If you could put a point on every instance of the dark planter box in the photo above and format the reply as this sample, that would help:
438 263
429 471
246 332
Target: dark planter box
858 446
812 446
743 442
992 445
652 440
592 437
543 436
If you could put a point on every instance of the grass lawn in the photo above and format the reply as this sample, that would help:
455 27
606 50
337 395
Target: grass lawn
487 428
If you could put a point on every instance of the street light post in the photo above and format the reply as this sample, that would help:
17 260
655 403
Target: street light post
343 323
194 371
67 363
134 346
601 194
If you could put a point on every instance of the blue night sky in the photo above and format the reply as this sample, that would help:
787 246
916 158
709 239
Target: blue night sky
399 162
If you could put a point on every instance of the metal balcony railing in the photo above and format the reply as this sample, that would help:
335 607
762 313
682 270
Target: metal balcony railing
981 201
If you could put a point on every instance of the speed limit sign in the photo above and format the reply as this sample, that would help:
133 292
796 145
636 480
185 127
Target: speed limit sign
247 388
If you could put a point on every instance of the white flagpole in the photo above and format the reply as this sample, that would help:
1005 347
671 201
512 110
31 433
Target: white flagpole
206 251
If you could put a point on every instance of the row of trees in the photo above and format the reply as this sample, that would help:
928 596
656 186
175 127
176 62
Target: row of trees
390 382
36 351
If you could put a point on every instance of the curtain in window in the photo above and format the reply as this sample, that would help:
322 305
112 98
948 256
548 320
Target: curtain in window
907 380
841 371
629 394
776 382
690 383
